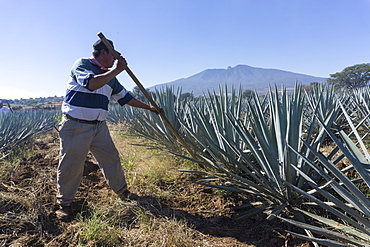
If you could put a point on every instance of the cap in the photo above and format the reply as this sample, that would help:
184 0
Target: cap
98 45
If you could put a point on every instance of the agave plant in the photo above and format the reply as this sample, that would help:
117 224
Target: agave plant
338 193
151 126
18 127
121 114
270 147
251 155
207 124
278 156
359 106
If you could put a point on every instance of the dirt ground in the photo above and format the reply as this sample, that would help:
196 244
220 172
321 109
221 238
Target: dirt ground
27 207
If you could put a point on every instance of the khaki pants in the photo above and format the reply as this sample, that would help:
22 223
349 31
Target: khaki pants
76 139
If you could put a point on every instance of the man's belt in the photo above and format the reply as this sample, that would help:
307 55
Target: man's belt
82 121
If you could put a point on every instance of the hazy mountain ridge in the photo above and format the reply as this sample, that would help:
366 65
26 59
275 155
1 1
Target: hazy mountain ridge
241 75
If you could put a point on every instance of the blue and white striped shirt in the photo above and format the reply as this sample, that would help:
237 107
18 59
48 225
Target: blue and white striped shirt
82 103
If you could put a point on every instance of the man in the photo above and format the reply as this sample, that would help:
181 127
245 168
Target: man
85 108
3 110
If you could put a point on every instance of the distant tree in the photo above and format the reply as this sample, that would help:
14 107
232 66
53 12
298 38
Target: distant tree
351 77
136 92
17 107
248 93
186 96
309 88
37 106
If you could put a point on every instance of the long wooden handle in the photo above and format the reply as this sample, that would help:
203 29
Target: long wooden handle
147 95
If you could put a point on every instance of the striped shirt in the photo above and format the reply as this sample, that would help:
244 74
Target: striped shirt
82 103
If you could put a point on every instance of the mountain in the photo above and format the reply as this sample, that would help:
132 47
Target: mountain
245 76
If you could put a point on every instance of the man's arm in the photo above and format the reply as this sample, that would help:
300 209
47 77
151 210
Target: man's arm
139 104
100 80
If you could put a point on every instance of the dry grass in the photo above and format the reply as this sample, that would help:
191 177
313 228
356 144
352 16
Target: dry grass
147 170
171 211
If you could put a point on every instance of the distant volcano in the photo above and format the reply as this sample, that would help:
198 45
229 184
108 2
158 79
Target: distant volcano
245 76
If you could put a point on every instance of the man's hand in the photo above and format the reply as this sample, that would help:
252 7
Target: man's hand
121 64
152 109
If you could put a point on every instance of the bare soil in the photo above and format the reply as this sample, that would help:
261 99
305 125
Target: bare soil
27 207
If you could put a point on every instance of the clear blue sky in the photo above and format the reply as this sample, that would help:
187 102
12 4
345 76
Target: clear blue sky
165 40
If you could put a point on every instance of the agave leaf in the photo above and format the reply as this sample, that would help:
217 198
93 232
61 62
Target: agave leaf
323 231
254 172
251 212
264 159
246 183
341 191
192 171
341 205
330 209
359 139
337 225
339 174
361 162
321 241
231 188
276 211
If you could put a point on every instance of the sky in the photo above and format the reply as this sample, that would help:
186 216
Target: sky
165 40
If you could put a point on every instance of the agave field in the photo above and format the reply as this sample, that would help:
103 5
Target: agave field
302 155
17 128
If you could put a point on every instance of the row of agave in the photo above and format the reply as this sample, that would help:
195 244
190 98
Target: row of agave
18 127
272 147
